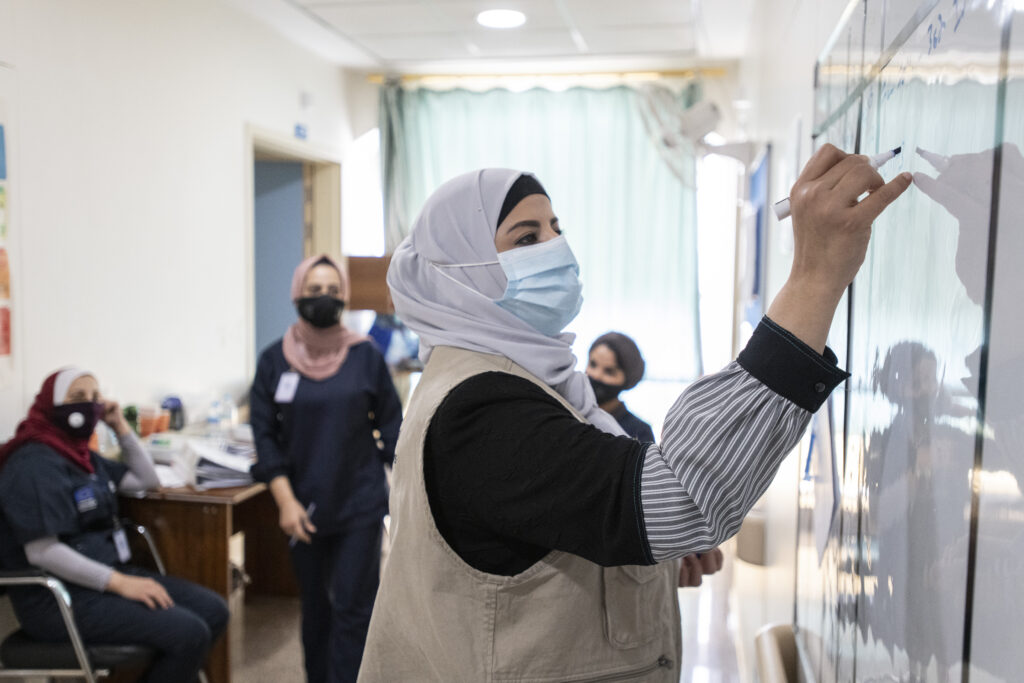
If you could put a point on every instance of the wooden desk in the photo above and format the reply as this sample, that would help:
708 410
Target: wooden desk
191 530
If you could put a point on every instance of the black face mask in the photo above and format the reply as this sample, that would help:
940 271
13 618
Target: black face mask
320 311
604 392
78 419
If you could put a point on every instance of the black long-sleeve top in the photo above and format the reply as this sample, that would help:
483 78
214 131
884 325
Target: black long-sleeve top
512 475
332 439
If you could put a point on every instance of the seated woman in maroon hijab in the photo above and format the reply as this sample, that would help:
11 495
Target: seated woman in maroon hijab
58 512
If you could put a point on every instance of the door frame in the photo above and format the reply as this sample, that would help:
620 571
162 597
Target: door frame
322 178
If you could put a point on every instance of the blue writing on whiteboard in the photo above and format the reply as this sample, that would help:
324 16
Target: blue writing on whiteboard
959 9
889 90
935 33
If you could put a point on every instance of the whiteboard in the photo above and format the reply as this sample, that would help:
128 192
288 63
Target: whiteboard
921 580
997 651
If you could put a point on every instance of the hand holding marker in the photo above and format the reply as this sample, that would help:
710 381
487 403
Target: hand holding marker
781 207
309 513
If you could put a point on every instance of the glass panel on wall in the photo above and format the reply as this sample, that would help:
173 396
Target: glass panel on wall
917 327
996 653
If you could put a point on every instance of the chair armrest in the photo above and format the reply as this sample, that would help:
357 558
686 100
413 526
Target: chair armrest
142 531
37 577
21 573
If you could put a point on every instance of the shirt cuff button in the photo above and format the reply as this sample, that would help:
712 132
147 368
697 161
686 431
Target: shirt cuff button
819 387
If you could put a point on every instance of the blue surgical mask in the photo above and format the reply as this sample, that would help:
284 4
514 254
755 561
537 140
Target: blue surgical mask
544 288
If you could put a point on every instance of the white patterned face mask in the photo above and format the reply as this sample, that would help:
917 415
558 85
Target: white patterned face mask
544 288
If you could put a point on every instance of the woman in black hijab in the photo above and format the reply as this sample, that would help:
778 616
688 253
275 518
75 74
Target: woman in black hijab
615 366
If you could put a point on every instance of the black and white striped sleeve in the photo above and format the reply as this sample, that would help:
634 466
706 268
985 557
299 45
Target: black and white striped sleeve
725 438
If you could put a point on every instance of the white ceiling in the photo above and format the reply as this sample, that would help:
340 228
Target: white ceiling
399 31
417 36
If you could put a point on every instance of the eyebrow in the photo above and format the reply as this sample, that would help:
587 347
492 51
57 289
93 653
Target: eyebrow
529 224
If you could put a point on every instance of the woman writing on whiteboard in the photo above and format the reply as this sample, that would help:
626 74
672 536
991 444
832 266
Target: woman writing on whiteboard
531 539
325 417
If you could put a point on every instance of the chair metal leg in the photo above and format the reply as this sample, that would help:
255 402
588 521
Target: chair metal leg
64 603
63 598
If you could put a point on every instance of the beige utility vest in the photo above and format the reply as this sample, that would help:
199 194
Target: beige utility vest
563 619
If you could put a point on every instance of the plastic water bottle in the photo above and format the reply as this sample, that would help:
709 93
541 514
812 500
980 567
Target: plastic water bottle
228 412
213 419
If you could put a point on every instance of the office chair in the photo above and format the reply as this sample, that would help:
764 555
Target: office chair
21 656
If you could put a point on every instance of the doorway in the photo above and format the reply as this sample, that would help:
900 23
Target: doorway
279 237
293 199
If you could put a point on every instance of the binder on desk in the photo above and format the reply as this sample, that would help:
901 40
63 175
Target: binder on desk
221 464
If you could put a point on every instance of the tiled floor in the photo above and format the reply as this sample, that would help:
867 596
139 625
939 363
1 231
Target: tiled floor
265 646
709 630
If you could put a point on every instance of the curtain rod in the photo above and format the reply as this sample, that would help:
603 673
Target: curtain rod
702 72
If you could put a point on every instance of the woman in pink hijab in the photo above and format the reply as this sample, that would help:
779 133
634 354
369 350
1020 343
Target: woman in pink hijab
325 416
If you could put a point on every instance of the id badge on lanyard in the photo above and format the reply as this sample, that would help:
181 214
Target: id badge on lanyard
286 387
124 553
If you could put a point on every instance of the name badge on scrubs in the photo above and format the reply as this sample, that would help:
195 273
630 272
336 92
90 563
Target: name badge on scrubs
124 553
286 387
85 499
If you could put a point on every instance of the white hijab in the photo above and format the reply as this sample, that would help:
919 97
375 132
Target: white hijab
65 376
445 277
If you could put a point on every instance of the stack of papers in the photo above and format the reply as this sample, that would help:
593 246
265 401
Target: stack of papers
169 478
221 463
166 448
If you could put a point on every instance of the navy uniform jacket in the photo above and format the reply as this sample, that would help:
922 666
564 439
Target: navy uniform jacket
42 494
332 439
633 425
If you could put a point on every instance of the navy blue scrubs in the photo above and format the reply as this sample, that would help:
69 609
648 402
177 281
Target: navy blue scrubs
633 425
331 439
43 494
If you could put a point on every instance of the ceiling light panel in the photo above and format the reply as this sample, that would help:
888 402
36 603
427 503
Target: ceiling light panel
431 16
380 17
641 40
523 43
489 44
413 47
539 13
501 18
628 12
442 30
324 3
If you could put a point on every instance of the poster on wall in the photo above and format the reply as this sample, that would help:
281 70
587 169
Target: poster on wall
3 212
5 334
5 262
5 276
3 187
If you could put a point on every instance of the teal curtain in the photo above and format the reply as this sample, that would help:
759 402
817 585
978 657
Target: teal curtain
629 220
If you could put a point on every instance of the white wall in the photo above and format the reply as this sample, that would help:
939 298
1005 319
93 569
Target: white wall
777 76
128 186
361 102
